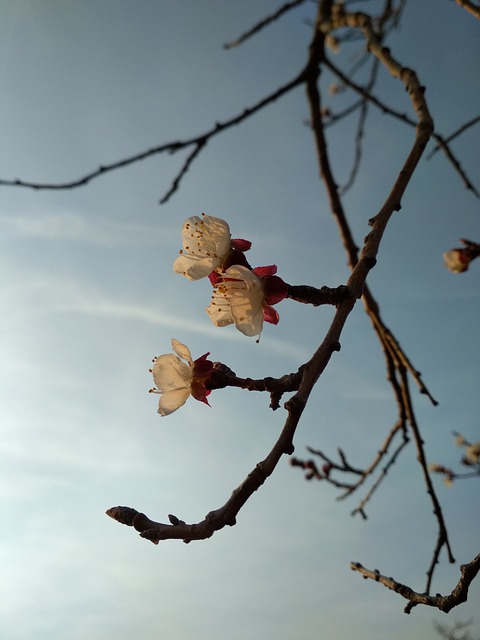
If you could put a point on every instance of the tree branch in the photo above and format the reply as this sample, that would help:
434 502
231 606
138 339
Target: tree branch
197 142
226 515
263 23
445 603
442 143
455 134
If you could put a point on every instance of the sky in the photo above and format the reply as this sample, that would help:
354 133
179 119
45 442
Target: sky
89 297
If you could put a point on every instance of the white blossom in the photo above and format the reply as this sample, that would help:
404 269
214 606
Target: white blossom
238 298
206 243
179 376
173 375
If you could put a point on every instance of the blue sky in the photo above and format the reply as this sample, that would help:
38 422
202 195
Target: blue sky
89 297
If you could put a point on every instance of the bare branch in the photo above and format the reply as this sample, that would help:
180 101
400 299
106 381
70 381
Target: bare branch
445 603
455 134
316 297
344 298
442 538
314 368
223 377
198 142
186 165
396 358
361 507
442 143
263 23
226 515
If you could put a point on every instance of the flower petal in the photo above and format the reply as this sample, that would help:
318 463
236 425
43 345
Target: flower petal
206 241
199 392
219 310
205 232
241 244
170 373
172 400
270 314
182 351
262 272
195 267
245 294
248 318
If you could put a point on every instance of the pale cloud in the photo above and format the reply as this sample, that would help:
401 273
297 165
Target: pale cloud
33 295
102 305
68 225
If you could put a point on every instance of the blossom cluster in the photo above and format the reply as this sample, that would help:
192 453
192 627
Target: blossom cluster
242 295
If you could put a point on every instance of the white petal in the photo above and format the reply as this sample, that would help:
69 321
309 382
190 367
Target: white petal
219 310
169 372
182 351
238 298
172 400
206 235
248 318
251 280
206 241
195 267
218 232
246 300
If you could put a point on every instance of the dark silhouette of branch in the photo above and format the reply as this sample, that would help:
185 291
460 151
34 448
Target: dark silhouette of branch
316 297
186 165
442 142
263 23
330 18
313 369
442 538
383 25
454 135
361 507
223 376
445 603
345 467
197 142
397 362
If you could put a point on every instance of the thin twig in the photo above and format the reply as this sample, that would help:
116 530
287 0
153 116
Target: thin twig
441 141
263 23
424 130
442 538
198 142
361 507
381 453
445 603
226 515
455 134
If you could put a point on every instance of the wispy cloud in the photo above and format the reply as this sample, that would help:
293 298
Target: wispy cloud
31 296
91 229
102 305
